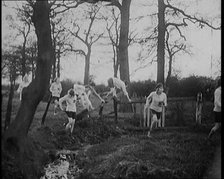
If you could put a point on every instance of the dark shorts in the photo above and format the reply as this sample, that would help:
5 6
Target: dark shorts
53 98
110 83
158 114
71 114
217 116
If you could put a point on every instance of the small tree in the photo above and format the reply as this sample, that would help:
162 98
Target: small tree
11 71
88 39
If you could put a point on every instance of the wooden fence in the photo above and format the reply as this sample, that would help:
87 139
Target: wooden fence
145 113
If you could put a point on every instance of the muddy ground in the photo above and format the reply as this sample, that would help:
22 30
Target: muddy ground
103 149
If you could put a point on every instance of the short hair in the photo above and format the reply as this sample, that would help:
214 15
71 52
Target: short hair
159 85
110 82
219 82
71 92
91 83
55 79
25 77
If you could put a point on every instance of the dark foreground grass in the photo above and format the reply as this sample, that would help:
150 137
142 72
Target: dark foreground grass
108 151
168 154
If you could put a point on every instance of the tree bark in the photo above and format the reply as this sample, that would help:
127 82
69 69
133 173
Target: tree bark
16 135
87 66
115 60
58 65
46 110
123 42
169 75
161 41
33 94
9 105
24 58
54 59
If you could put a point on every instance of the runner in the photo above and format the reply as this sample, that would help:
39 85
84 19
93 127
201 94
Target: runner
56 90
155 101
217 108
70 110
114 84
25 82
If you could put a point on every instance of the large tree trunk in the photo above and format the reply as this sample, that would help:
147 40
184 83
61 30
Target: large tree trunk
16 135
46 110
9 105
24 58
33 94
123 42
58 65
54 60
169 76
87 66
161 42
115 60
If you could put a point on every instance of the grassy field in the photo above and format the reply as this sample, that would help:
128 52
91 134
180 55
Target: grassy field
108 150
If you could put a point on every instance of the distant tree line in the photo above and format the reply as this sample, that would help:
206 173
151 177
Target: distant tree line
184 87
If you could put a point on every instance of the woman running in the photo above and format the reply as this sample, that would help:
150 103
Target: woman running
155 101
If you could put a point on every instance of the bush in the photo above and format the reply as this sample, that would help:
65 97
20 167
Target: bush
184 87
142 88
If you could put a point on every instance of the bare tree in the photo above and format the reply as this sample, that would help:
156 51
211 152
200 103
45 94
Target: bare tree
123 41
16 135
113 33
88 40
24 29
31 52
11 61
172 49
163 10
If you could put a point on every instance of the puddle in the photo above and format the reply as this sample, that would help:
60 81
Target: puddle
64 167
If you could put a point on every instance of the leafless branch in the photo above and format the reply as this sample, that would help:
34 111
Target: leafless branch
65 6
76 35
97 38
177 27
144 66
193 19
78 51
115 3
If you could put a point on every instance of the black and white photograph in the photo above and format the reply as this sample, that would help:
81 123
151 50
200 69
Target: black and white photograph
111 89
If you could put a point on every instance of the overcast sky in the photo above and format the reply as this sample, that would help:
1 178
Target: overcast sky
206 45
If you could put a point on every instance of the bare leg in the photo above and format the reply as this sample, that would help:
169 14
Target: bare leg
55 106
72 125
68 126
20 96
154 121
214 129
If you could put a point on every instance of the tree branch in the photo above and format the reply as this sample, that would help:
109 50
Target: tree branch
177 27
78 51
193 19
115 3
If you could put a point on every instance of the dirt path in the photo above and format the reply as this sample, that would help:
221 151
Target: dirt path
214 172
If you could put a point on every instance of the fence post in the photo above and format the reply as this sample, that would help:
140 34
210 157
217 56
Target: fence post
146 116
101 111
141 118
149 117
198 108
115 109
163 117
46 110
